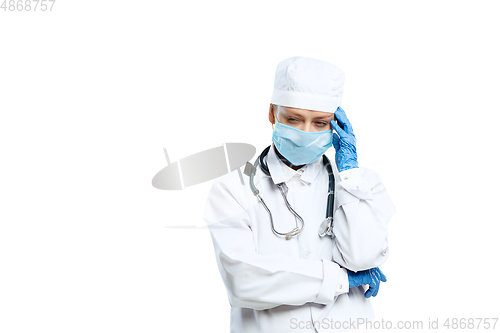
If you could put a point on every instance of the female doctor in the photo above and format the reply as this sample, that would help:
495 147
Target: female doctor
283 272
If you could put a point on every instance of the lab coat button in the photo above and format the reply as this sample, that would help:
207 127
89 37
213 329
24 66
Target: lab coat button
306 253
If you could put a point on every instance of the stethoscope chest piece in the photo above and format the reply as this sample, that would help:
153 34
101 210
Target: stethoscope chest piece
325 227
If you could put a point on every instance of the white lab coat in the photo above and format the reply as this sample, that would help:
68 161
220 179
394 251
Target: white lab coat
275 285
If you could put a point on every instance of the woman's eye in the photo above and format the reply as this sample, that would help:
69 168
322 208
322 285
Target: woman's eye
292 119
321 124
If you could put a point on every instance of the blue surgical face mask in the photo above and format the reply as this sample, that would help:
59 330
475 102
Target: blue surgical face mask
300 147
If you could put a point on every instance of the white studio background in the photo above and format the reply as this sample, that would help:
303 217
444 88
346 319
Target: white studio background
92 91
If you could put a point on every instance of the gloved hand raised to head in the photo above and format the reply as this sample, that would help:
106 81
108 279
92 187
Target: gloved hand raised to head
371 277
344 142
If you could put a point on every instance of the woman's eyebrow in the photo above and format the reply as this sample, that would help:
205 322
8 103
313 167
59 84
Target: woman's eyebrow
292 114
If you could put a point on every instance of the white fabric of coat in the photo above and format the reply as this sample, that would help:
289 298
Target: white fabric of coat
299 285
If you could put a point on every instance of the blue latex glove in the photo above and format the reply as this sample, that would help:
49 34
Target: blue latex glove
344 142
371 277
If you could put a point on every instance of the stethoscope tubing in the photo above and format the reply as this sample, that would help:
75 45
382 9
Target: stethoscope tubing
329 207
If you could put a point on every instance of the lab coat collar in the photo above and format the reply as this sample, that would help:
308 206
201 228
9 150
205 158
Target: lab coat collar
280 172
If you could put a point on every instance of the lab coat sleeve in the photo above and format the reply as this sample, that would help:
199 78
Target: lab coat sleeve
362 213
260 281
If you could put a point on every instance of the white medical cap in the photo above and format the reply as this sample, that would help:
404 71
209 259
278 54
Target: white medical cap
307 83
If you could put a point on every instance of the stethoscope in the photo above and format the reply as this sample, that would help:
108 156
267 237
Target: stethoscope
327 224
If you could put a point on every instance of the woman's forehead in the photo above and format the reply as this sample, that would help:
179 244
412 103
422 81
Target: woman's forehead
306 113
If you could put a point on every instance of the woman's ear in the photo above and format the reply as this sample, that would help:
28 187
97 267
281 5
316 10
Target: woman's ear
271 114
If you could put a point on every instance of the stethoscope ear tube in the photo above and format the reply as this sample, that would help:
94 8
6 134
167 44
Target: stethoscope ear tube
331 187
252 175
326 227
